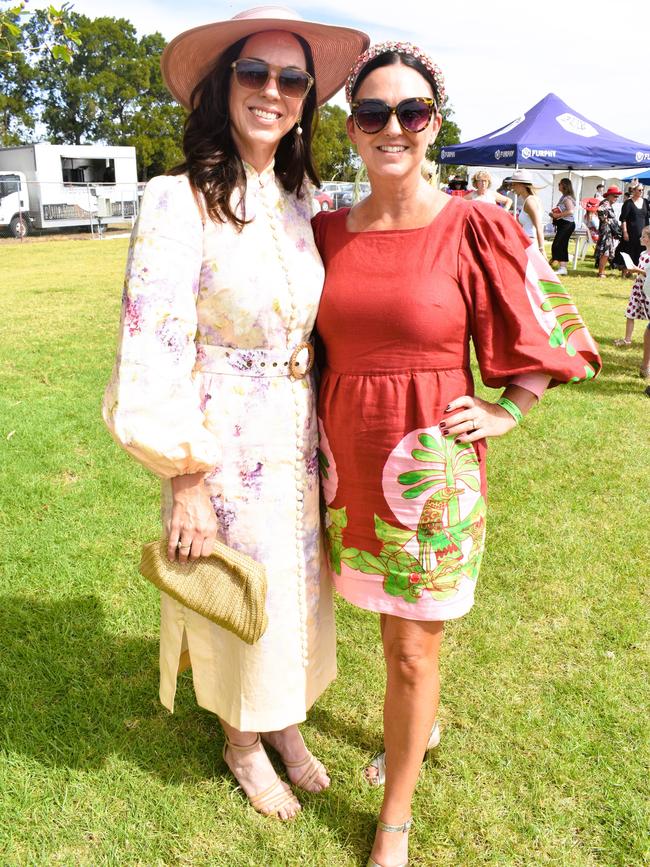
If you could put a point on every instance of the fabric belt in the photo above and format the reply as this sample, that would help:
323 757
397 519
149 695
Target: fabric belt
294 362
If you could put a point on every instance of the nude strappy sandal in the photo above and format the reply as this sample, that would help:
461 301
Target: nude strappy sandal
392 829
379 762
270 800
313 767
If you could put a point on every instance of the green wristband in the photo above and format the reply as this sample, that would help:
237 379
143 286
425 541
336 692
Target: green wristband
511 408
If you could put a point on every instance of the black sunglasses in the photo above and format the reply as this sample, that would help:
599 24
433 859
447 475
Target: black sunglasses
413 114
253 75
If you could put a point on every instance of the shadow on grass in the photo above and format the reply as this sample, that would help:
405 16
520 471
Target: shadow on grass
620 367
73 694
352 733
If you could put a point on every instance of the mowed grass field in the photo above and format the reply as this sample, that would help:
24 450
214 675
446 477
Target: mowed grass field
544 754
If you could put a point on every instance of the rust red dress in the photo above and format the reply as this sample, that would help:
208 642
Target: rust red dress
406 505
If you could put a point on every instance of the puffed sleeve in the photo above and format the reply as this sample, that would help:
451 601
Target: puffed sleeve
522 320
151 404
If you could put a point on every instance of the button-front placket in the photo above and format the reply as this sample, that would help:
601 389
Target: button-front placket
297 386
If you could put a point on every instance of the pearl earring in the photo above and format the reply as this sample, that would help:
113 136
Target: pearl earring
298 129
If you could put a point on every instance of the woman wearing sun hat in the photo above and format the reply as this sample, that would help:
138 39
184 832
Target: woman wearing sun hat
211 389
411 275
530 213
609 230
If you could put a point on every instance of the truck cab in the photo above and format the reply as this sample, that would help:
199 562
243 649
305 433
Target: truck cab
14 204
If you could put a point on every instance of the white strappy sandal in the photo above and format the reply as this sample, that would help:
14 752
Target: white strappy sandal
379 762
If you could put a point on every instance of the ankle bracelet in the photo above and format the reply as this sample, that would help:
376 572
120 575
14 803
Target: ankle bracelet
395 829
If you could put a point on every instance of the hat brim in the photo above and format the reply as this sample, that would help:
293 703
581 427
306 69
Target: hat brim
526 183
190 55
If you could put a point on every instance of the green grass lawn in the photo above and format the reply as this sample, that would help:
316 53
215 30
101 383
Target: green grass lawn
544 753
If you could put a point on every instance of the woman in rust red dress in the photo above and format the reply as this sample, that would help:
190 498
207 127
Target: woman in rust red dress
411 276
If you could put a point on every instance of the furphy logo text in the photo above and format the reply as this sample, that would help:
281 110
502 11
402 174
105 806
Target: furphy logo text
503 155
527 153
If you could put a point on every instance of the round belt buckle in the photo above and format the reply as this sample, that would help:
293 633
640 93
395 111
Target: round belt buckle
299 368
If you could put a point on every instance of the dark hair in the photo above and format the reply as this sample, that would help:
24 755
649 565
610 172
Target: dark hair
390 58
212 161
567 187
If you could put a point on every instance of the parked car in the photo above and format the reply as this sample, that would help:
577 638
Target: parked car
324 200
341 193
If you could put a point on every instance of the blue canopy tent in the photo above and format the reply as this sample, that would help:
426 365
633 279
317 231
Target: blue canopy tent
643 177
551 135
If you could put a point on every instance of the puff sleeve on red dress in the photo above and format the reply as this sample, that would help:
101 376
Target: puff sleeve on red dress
522 319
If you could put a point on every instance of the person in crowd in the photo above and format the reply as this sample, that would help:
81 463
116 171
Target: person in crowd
483 192
609 230
589 219
530 212
564 222
411 274
506 190
211 388
457 186
590 222
635 215
600 191
639 304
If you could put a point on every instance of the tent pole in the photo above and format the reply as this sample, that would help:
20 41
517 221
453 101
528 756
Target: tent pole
579 183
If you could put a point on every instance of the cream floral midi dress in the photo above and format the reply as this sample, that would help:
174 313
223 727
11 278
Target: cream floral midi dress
210 319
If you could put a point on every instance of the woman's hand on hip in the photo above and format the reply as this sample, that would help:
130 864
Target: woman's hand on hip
470 419
192 528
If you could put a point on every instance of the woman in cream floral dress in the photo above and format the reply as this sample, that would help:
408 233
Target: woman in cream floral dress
211 388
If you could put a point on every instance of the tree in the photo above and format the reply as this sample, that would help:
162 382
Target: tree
94 95
156 134
18 85
112 92
61 36
449 134
333 152
18 98
156 128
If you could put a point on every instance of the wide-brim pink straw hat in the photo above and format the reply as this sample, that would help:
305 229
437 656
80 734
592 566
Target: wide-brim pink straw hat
191 54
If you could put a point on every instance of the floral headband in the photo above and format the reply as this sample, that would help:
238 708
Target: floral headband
398 48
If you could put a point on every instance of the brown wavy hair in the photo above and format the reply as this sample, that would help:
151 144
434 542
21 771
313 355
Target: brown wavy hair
212 161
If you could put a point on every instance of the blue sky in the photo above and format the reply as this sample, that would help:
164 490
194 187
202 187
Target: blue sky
499 59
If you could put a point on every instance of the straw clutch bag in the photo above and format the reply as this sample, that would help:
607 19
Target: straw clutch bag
228 587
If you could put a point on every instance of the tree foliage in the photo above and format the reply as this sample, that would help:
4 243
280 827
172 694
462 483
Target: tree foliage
333 152
60 38
449 134
19 96
18 99
111 92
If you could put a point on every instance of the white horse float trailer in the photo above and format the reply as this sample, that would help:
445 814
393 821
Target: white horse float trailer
45 186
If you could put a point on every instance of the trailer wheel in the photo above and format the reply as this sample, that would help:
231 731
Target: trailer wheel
19 227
